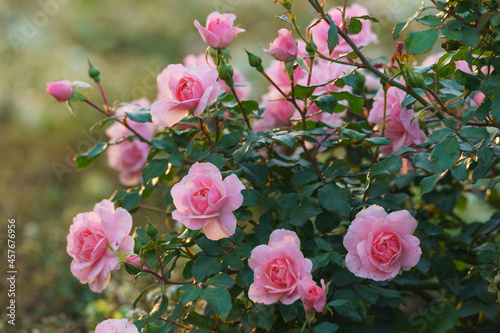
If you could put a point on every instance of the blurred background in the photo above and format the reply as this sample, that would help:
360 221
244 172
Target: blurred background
130 42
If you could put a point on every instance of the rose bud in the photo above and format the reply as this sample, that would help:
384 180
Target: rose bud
284 47
61 90
134 260
219 32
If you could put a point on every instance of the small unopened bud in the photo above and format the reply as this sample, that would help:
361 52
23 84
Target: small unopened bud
61 90
134 260
255 61
226 73
151 231
94 73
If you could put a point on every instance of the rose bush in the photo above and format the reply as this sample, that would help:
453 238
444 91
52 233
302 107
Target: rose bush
361 174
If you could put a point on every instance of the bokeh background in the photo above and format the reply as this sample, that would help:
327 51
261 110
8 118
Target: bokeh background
130 41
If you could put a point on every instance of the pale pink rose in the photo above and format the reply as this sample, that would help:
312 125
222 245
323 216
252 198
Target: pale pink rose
393 104
203 200
134 260
277 112
403 130
312 296
182 89
380 245
276 71
219 31
129 157
116 326
278 269
241 84
89 239
61 90
284 47
363 38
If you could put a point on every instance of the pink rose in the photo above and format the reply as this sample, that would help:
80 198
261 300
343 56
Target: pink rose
394 98
278 269
284 47
241 84
129 157
403 130
379 245
219 31
134 260
363 38
276 71
182 89
89 239
312 296
203 200
61 90
116 326
277 113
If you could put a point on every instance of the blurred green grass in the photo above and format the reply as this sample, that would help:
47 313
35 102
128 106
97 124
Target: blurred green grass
131 42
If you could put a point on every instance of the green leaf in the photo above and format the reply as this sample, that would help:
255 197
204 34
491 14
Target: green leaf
351 134
439 135
323 244
418 42
326 327
155 168
220 280
335 199
140 116
380 141
428 183
205 266
474 132
354 27
336 168
421 160
307 209
251 197
387 166
333 36
356 103
84 160
327 103
445 154
219 300
166 143
141 295
217 159
438 319
430 20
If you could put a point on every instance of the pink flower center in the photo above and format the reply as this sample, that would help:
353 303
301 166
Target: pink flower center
91 244
386 247
200 199
188 88
313 292
280 274
218 27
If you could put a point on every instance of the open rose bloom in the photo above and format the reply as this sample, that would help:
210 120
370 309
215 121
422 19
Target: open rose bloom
278 269
129 157
219 32
203 200
182 89
116 326
284 47
312 296
90 237
380 245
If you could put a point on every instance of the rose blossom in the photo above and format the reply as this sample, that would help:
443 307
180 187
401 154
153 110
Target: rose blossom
89 239
379 245
182 89
61 90
278 269
116 326
363 38
312 296
134 260
284 47
393 103
219 31
129 157
203 200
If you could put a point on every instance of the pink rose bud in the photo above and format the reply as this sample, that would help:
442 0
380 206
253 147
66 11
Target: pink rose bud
61 90
312 296
203 200
182 89
219 31
116 326
134 260
90 237
278 269
284 47
380 245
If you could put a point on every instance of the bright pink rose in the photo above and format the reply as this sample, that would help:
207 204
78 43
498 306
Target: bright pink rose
182 89
129 157
379 245
278 269
312 296
89 239
284 47
394 98
61 90
116 326
134 260
241 84
363 38
219 31
403 130
203 200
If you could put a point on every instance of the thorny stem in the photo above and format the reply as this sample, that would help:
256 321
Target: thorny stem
159 259
174 323
106 104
